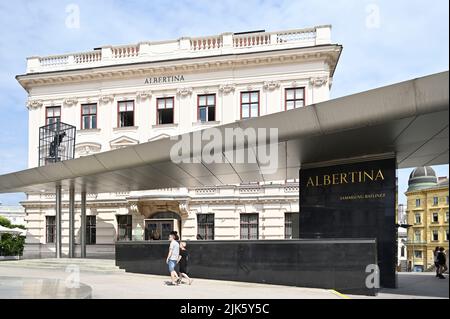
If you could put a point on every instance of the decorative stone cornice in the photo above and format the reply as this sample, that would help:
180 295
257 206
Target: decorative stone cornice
133 207
122 141
34 104
329 54
318 81
271 85
184 208
227 88
105 99
84 149
71 101
185 91
206 191
143 95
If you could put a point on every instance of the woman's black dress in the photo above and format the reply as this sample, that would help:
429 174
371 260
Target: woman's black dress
183 261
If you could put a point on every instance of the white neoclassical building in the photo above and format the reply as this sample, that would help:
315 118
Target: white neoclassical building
118 96
15 214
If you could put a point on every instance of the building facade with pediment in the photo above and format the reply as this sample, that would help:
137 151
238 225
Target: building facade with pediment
117 96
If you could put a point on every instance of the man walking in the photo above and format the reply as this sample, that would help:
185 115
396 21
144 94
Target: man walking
172 256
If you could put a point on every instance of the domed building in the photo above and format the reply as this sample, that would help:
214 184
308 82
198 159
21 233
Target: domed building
422 177
428 214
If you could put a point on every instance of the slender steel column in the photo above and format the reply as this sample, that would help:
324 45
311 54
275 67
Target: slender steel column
83 225
58 221
71 222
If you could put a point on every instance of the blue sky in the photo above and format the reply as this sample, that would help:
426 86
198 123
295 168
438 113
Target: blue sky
384 42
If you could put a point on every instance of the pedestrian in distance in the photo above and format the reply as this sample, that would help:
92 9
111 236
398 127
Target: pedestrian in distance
442 261
436 264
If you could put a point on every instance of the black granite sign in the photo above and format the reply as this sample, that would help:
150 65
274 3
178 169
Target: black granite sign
354 200
300 262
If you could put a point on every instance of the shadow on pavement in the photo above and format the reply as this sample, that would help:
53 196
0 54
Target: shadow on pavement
420 285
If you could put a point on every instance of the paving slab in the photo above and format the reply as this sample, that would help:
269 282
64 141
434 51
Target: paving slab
139 286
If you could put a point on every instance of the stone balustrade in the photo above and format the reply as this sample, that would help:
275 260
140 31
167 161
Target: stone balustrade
226 43
206 43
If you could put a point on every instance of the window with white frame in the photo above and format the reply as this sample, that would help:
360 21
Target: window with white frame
50 229
418 218
164 110
249 226
435 201
295 98
125 114
205 226
206 108
91 230
435 217
435 235
52 114
249 104
88 116
288 218
417 236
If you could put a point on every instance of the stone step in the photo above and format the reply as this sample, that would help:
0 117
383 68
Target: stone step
87 265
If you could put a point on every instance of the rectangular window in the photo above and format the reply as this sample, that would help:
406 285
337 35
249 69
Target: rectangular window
288 225
295 98
164 109
206 108
249 104
50 229
417 202
446 235
124 227
417 253
52 115
418 219
435 218
417 236
435 201
88 116
91 230
125 113
205 226
249 226
435 235
446 217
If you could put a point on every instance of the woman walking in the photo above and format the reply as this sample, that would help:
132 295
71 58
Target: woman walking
183 261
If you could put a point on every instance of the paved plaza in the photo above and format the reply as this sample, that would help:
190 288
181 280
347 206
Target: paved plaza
107 281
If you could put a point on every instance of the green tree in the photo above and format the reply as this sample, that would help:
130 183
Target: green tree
11 245
5 222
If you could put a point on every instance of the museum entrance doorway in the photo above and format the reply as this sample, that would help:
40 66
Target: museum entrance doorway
159 226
